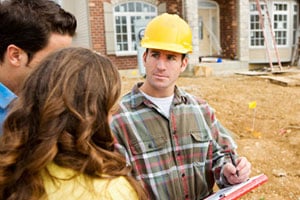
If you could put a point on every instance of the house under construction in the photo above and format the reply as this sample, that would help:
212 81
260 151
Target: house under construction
249 31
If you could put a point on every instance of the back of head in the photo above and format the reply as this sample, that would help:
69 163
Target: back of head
60 21
168 32
62 118
77 90
29 23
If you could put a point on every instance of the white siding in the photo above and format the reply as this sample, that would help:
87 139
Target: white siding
79 8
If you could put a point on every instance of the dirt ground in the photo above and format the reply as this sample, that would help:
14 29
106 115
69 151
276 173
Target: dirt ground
268 135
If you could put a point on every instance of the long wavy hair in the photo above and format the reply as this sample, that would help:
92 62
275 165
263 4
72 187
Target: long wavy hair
61 116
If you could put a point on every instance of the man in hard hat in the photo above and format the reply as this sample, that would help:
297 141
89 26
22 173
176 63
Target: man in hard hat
173 140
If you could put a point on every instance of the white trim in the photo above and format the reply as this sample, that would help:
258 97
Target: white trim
128 19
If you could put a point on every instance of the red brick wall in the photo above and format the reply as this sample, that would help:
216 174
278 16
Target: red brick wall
96 19
228 27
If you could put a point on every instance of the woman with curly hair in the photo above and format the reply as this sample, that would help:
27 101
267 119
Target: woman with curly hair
57 142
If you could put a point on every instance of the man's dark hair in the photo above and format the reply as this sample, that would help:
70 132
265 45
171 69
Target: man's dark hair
182 57
28 24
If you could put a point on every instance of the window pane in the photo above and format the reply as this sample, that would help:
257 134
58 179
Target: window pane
125 47
123 7
138 7
252 7
131 7
125 38
118 21
119 39
123 20
146 8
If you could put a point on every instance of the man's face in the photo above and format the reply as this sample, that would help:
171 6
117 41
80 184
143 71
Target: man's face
162 70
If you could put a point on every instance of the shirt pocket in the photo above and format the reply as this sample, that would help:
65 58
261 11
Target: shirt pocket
202 148
200 136
148 145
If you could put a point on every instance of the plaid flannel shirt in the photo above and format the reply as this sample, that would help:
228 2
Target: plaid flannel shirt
179 157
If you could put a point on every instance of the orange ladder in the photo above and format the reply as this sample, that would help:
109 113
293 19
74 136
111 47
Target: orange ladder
261 20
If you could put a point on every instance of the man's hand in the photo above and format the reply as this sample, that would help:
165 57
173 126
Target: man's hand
243 167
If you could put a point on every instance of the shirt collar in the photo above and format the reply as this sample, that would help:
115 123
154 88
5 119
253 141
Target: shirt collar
6 96
139 98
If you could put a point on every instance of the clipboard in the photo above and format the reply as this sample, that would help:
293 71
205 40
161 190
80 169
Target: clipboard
238 190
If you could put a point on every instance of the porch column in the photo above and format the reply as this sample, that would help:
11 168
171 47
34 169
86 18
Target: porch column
191 15
243 30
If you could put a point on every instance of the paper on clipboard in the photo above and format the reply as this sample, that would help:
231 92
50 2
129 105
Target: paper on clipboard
236 191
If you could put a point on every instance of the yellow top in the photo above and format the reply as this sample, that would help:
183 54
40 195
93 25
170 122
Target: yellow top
67 185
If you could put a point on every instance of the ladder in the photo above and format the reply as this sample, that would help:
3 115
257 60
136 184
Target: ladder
261 20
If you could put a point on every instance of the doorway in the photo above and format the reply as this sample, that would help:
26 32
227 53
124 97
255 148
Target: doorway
209 31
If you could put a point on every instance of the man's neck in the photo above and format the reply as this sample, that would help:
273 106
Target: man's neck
157 93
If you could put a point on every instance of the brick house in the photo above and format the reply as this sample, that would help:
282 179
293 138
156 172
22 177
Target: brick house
226 28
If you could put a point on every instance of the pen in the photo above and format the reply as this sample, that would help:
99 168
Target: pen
233 162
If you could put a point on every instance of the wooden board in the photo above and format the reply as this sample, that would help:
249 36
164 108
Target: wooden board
253 73
292 80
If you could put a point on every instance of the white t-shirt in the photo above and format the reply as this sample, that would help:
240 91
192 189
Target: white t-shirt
163 103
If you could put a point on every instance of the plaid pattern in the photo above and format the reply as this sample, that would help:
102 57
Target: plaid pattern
177 157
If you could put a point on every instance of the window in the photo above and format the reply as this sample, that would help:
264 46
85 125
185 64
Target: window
125 15
256 33
279 16
280 22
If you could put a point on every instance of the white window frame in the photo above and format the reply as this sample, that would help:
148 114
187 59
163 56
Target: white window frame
284 32
255 29
129 17
282 27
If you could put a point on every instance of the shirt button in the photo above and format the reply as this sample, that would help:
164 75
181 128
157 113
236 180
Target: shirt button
183 175
178 153
186 196
174 132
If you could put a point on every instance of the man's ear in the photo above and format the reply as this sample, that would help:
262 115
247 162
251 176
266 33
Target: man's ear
184 63
15 55
144 56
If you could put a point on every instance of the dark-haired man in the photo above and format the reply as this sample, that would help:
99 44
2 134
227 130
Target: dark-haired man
29 31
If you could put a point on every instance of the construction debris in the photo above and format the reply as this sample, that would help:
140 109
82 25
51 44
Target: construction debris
286 77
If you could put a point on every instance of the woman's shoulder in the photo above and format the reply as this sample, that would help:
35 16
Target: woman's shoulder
64 183
117 188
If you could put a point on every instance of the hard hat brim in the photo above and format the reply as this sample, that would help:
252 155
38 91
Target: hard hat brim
168 47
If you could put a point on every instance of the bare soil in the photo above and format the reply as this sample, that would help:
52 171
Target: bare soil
268 135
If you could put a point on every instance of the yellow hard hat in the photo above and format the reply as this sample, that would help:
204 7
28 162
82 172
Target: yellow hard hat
168 32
